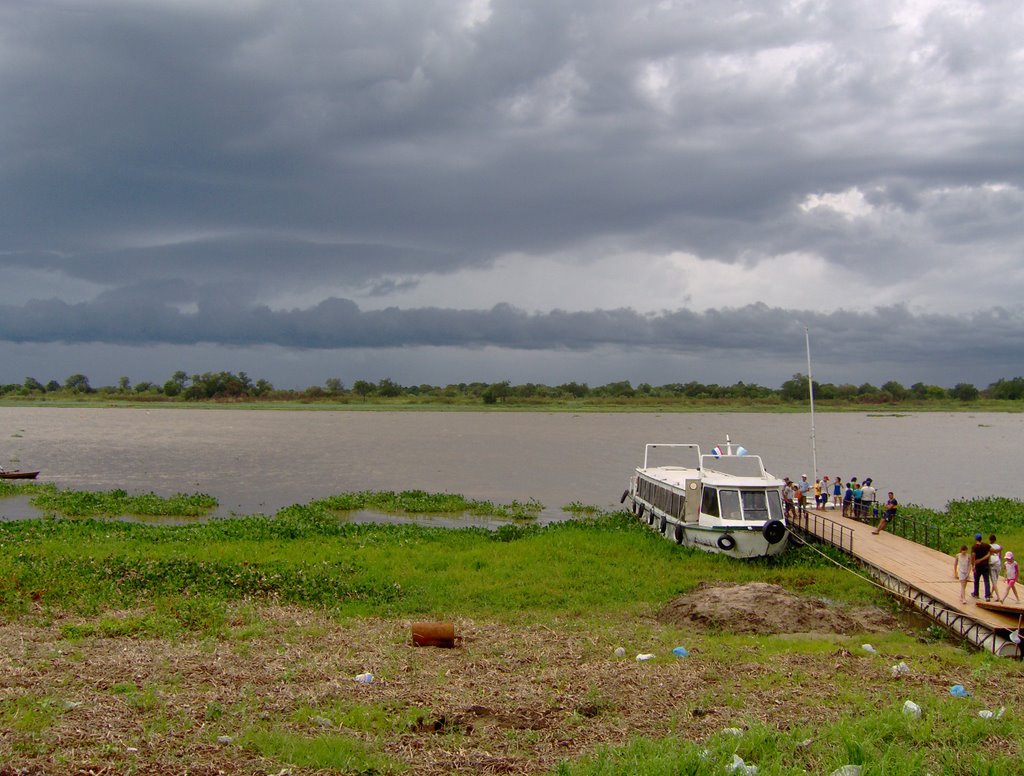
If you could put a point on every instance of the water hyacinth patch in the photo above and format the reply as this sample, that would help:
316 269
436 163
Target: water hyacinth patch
77 503
423 503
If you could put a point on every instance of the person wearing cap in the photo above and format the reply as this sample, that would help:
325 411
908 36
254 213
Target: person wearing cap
787 499
1012 572
995 564
979 562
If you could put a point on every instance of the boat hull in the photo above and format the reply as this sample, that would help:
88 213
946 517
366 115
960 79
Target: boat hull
18 475
745 542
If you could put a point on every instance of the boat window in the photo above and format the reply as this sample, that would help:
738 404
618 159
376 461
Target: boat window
730 503
761 506
756 505
709 502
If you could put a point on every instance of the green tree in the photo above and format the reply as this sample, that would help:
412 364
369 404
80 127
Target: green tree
964 392
362 388
895 390
574 389
795 388
78 383
32 385
388 387
1007 389
496 392
622 388
124 384
334 386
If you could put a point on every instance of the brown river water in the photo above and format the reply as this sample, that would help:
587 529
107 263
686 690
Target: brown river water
257 461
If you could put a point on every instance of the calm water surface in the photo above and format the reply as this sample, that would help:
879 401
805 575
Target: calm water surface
259 461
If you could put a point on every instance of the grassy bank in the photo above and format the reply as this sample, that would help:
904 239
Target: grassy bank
231 646
473 404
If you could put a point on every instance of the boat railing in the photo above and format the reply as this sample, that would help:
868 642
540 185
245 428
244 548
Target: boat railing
823 529
655 445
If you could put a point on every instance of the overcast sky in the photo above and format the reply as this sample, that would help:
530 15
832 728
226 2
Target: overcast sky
534 190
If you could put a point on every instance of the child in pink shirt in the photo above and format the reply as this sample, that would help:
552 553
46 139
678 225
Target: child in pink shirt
1012 572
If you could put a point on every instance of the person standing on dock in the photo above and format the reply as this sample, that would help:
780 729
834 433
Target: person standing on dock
805 486
837 493
995 564
979 561
801 502
787 499
1012 573
858 501
962 570
867 499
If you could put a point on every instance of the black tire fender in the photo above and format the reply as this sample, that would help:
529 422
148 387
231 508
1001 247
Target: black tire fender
624 494
774 531
663 525
726 542
677 534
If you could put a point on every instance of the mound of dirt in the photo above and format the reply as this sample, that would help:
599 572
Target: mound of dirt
759 607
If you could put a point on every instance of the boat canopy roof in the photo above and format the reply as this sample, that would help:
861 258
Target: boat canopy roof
723 468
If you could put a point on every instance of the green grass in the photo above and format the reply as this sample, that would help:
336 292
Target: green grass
30 714
963 518
331 751
599 575
948 739
307 556
470 403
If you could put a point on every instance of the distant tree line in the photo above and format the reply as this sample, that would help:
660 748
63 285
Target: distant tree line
228 386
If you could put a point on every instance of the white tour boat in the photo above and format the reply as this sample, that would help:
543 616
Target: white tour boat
723 502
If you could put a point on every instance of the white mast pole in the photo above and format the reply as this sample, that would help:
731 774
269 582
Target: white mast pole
810 390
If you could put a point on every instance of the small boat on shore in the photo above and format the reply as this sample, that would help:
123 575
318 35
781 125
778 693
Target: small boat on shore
17 475
723 501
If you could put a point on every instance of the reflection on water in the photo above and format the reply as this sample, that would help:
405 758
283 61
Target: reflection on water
256 461
17 508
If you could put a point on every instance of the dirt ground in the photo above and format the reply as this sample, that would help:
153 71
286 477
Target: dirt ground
760 607
511 700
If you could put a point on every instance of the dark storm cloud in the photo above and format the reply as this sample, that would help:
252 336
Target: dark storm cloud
191 159
891 333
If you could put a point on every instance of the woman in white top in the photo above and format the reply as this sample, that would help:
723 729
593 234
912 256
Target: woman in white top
995 562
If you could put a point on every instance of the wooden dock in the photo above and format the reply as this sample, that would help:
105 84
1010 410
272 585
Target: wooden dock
921 576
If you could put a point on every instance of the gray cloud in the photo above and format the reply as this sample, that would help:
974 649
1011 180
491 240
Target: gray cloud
225 173
891 334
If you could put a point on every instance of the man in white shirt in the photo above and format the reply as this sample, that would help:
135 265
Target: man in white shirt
867 500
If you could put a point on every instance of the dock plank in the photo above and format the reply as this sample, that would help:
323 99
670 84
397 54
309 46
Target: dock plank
923 568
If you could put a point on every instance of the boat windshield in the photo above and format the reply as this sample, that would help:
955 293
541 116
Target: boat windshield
753 505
